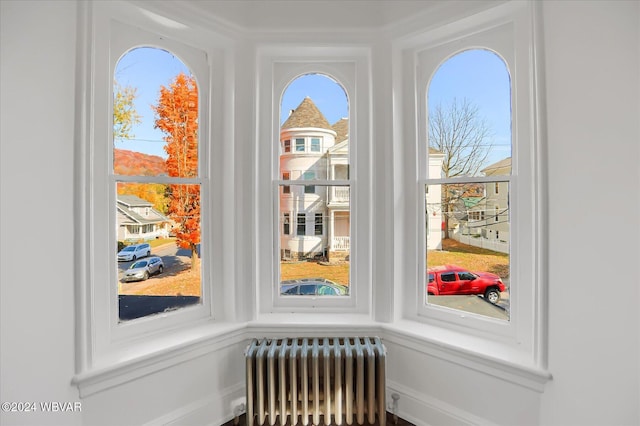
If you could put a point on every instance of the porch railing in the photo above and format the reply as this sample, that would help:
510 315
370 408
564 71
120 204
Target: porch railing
340 244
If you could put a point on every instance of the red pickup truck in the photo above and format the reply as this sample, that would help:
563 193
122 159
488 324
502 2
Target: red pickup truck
451 279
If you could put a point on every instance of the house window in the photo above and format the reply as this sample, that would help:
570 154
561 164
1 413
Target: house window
322 198
309 189
457 165
286 189
172 160
497 210
318 224
497 188
285 224
487 68
301 229
146 172
287 145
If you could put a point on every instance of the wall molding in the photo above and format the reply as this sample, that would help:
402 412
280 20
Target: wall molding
424 410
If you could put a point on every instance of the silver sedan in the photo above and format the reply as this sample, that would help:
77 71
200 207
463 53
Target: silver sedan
143 269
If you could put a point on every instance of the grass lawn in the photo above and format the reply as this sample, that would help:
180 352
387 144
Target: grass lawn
474 258
187 282
337 273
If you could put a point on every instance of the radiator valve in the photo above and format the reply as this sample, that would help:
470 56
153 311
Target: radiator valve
394 407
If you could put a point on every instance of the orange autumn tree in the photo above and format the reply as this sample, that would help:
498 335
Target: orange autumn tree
177 117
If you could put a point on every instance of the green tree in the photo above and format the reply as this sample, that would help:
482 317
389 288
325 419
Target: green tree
125 115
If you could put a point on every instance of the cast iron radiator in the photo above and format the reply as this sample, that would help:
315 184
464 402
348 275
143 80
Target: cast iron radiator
301 379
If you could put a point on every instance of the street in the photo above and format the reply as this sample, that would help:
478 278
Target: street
175 259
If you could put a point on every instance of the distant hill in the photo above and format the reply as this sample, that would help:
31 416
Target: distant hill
131 163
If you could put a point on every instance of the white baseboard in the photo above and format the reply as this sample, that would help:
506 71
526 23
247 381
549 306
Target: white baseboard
424 410
212 410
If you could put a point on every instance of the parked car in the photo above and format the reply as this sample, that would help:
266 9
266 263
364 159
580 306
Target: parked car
133 252
143 269
312 287
451 279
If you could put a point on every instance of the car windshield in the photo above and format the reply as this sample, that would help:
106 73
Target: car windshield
140 264
130 248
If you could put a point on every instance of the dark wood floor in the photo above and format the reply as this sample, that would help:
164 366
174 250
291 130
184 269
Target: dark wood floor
390 422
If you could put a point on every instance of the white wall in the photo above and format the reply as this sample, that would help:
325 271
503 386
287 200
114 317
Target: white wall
37 297
593 90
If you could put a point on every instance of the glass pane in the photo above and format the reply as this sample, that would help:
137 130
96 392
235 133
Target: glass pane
468 235
315 128
155 115
158 234
317 254
469 104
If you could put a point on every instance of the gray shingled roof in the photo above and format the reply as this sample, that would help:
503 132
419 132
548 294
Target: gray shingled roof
132 200
306 114
125 202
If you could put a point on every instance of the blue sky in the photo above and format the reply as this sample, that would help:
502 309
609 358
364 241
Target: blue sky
479 76
328 96
147 69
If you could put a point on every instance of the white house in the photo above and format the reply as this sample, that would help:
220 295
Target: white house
316 219
569 354
139 221
487 221
496 202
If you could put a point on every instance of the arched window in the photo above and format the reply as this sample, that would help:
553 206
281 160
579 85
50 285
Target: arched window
478 79
156 169
312 156
146 215
469 155
315 186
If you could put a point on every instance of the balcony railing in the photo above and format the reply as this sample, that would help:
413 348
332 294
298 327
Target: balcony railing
339 194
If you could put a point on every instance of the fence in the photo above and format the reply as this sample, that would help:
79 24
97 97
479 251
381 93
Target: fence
495 245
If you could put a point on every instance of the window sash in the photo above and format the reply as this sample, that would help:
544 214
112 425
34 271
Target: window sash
301 229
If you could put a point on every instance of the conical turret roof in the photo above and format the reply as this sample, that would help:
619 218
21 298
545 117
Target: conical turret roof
306 114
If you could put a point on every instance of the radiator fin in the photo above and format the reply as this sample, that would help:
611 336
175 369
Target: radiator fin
299 380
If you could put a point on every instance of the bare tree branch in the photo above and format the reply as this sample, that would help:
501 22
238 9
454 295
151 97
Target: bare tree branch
463 136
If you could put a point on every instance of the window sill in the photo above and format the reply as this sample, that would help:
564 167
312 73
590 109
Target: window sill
148 356
312 325
495 358
135 360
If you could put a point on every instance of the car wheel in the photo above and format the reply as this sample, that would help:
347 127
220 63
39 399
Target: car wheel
160 269
133 259
145 276
148 253
492 295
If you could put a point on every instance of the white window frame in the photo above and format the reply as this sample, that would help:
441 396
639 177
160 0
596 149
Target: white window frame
507 30
315 224
301 220
104 343
311 144
278 66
